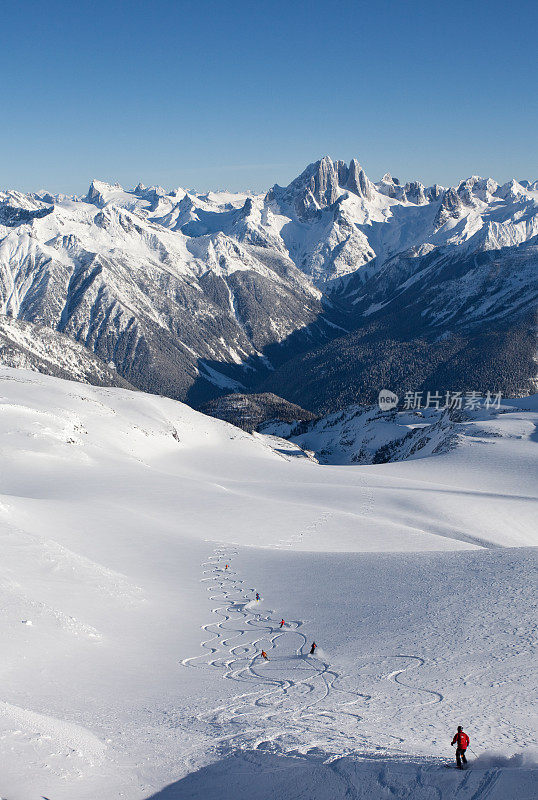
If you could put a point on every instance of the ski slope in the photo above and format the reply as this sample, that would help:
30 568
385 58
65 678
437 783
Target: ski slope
131 666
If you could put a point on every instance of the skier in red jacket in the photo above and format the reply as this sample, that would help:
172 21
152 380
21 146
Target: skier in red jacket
461 740
282 623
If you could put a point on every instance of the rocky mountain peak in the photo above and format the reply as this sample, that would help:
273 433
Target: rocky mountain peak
321 184
414 192
510 190
391 187
357 181
100 192
196 294
435 192
451 206
324 181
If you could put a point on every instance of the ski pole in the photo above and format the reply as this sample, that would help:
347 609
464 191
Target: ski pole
472 751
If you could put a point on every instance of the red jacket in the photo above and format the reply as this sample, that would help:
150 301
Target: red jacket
462 739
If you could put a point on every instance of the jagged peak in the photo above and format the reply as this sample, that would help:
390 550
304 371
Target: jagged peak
414 193
102 186
186 203
101 192
435 192
450 207
321 184
247 206
528 184
510 189
321 166
388 178
450 198
470 181
391 187
358 182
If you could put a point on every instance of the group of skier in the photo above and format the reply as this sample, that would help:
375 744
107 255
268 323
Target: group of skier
311 653
461 739
263 654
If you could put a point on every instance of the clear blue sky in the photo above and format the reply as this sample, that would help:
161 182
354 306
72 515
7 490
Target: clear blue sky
207 93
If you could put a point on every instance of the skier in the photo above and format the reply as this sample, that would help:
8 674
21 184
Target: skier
461 740
257 596
314 645
282 623
264 656
226 567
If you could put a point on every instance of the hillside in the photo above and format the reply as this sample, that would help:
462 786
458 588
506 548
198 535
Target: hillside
118 514
29 346
369 435
250 411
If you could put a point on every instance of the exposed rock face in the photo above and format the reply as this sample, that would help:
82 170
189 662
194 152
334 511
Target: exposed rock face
357 182
11 216
450 207
390 187
434 192
414 193
36 347
321 185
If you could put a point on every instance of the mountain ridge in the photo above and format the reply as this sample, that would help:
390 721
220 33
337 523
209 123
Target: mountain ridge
193 295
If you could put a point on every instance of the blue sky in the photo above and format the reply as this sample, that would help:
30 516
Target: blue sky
207 94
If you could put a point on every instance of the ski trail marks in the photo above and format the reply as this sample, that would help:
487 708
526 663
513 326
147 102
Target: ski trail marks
487 785
297 538
416 661
293 700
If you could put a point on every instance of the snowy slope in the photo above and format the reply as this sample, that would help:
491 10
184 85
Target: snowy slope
366 434
118 514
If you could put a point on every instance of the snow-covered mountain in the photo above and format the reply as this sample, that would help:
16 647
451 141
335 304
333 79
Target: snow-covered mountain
368 435
196 295
114 271
131 663
30 346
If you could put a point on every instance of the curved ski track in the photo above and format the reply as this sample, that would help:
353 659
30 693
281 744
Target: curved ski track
295 700
293 703
416 661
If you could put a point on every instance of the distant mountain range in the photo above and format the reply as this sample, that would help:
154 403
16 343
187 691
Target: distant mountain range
323 292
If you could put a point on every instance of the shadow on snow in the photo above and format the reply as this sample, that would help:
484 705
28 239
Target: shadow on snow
258 773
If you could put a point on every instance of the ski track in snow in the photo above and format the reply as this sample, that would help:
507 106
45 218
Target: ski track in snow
299 706
298 537
293 702
416 661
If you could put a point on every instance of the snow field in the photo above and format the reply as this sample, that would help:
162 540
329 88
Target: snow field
351 722
140 671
